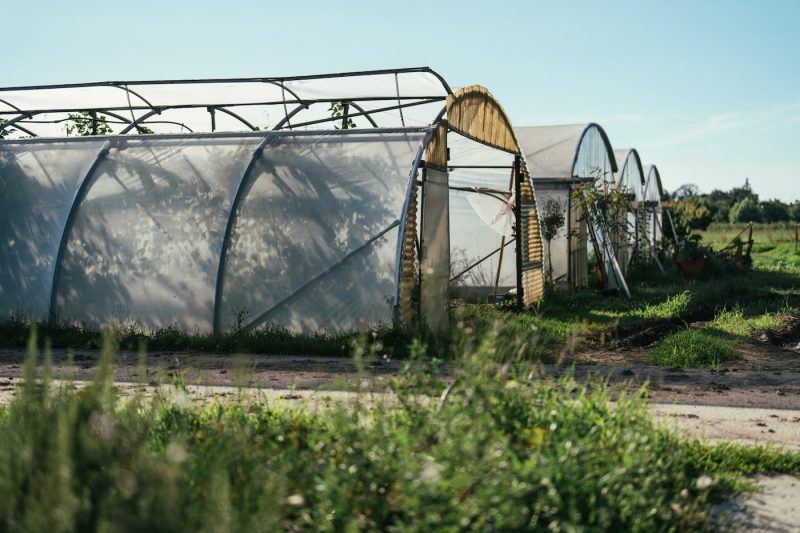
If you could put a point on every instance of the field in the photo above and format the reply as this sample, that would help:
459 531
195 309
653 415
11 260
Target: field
470 430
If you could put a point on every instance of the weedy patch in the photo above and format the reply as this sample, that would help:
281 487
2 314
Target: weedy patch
500 449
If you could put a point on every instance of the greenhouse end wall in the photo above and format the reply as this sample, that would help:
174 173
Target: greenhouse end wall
134 229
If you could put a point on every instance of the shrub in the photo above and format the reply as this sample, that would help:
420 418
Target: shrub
745 210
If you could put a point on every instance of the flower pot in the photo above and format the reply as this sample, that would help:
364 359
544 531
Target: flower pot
692 268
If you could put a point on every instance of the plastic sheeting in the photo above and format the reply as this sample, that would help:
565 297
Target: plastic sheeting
312 244
38 184
481 218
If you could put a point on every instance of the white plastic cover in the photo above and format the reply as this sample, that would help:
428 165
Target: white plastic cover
313 245
38 182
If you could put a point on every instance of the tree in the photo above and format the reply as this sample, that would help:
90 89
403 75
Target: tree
551 220
794 211
745 210
774 211
691 213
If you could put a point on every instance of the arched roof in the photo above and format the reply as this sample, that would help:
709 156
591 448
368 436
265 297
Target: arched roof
552 151
630 165
653 191
474 113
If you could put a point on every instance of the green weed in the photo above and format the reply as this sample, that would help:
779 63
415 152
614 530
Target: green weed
501 449
691 348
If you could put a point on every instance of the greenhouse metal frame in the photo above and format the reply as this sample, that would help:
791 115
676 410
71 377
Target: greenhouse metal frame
561 159
410 118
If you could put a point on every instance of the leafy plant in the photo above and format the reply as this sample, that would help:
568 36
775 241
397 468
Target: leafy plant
337 110
3 130
551 220
85 124
690 213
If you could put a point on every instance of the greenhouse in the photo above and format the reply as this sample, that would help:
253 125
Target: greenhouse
314 203
631 179
652 213
561 159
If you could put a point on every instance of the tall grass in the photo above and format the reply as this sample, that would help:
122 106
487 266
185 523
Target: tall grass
499 449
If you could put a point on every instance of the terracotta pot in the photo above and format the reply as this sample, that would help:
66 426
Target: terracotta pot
692 268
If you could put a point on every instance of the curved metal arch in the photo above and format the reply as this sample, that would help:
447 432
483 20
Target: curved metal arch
401 233
364 114
25 130
606 142
124 87
234 115
284 87
16 119
290 115
223 254
139 120
80 195
638 165
9 104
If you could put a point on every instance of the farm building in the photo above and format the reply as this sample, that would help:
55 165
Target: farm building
561 159
314 203
631 178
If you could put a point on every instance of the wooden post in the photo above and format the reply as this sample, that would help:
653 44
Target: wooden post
518 227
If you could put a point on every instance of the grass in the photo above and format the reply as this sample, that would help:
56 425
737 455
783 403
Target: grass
501 450
691 348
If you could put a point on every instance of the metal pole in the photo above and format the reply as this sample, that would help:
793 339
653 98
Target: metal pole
518 226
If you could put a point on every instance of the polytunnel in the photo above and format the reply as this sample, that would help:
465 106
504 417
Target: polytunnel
631 179
561 159
651 211
314 203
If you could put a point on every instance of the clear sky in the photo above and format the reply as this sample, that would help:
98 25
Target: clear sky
707 90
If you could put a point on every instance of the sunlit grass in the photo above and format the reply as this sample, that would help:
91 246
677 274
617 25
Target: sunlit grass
691 348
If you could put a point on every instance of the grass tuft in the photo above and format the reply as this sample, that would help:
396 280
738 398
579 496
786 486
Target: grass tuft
691 348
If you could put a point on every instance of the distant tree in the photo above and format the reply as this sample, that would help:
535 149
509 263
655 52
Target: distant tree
720 202
689 214
745 210
687 189
774 211
794 212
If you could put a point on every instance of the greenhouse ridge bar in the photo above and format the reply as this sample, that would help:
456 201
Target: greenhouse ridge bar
338 219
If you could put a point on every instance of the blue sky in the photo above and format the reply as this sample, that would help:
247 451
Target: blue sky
707 90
